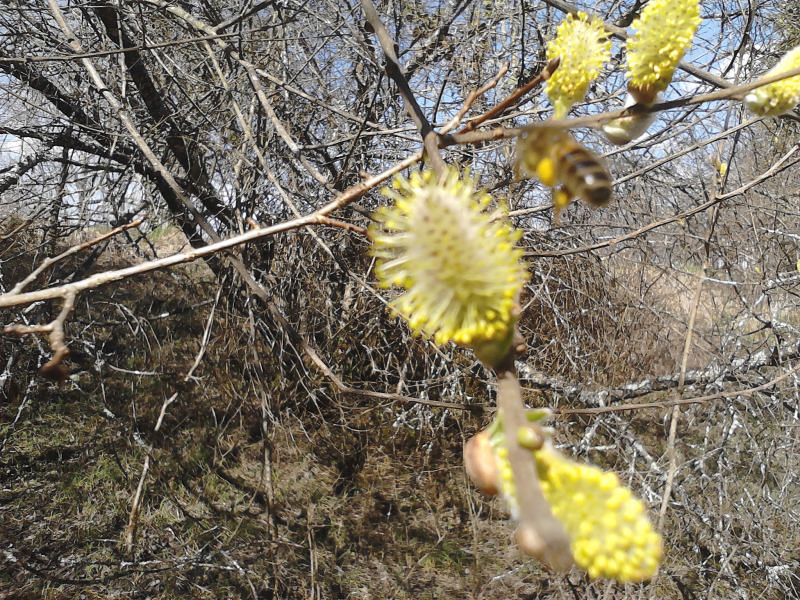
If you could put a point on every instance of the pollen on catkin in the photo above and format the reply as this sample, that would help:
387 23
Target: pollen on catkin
458 266
610 533
664 31
781 96
582 46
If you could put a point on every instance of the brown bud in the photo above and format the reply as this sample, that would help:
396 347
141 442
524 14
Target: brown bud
54 369
530 542
645 94
481 464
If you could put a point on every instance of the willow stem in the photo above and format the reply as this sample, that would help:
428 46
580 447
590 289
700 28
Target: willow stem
539 534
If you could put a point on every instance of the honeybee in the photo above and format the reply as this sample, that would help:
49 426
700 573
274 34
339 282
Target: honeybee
562 163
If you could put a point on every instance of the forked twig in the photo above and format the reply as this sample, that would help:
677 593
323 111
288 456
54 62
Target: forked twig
53 368
514 97
430 138
474 95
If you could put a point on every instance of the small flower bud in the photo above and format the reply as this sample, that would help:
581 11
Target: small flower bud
530 437
626 129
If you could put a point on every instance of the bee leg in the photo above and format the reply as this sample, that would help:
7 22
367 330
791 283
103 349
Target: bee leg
546 171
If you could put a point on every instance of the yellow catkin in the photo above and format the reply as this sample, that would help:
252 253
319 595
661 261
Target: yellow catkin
781 96
664 32
610 532
460 268
582 48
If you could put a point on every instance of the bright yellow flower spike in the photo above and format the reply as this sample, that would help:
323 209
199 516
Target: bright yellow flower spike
459 267
582 46
779 97
664 31
611 535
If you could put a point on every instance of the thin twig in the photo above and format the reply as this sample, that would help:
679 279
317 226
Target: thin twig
133 517
514 97
472 96
676 411
430 138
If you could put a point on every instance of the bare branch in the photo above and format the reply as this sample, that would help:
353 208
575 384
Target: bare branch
429 136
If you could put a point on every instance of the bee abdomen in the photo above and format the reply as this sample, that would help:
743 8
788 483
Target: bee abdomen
586 177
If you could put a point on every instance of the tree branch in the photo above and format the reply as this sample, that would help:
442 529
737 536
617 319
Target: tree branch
539 534
430 138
